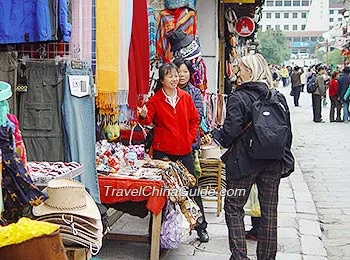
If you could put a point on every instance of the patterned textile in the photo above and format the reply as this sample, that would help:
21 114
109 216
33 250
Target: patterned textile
199 77
152 22
169 21
173 4
17 186
268 182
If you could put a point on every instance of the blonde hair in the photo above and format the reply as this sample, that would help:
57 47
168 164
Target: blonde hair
259 67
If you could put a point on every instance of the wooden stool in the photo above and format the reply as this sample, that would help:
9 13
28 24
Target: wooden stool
78 253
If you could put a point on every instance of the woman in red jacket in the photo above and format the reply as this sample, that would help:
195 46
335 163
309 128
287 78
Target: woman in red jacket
175 118
334 97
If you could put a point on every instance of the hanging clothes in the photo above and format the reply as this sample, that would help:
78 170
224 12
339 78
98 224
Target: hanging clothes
152 23
125 24
170 20
78 113
138 55
8 73
24 21
17 186
199 75
173 4
107 51
40 111
81 45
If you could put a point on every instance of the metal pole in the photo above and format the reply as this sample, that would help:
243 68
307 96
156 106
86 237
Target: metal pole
221 48
327 50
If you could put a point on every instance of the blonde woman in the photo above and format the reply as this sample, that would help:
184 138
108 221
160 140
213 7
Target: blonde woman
242 171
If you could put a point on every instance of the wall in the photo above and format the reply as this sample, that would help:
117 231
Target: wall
207 22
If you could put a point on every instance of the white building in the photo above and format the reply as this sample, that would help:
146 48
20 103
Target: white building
303 21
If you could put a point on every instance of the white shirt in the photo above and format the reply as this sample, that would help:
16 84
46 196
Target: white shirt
171 100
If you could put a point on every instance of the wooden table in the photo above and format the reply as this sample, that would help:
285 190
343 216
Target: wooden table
154 204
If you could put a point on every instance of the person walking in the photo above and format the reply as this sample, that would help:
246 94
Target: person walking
334 97
296 84
285 75
175 118
343 84
242 171
303 78
318 95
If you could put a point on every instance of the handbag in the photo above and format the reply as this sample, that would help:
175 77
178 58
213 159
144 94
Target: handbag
138 148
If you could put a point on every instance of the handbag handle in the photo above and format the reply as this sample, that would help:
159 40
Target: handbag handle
132 132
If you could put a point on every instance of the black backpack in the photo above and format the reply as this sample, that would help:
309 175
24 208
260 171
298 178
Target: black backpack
267 134
311 85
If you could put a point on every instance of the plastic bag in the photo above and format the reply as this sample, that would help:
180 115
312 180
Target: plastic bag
170 231
252 207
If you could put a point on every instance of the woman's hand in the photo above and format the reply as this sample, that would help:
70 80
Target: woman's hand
142 112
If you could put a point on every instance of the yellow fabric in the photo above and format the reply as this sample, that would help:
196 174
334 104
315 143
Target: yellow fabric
24 230
107 53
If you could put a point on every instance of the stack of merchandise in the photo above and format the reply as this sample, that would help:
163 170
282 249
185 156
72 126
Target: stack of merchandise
209 176
42 172
71 207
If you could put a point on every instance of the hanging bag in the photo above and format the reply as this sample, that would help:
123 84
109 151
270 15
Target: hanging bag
138 148
170 231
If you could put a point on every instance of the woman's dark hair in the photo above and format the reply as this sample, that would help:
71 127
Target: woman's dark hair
179 61
335 74
164 70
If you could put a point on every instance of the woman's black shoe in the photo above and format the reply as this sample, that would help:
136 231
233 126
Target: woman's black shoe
203 235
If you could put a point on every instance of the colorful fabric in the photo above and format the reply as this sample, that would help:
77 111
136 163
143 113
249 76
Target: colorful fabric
152 23
199 77
173 4
107 51
17 186
20 147
169 21
138 55
121 192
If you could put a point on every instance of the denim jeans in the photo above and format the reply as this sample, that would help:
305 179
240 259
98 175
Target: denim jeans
79 127
346 111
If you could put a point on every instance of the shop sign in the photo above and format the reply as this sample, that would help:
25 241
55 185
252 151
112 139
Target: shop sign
239 1
245 26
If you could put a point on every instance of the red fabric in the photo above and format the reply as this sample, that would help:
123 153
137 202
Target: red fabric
154 203
138 53
333 87
175 130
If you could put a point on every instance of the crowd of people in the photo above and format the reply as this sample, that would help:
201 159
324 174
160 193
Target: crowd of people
335 82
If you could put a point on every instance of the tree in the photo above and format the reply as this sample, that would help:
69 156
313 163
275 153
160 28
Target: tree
273 45
335 57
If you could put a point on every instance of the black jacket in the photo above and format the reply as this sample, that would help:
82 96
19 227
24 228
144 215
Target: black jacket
238 162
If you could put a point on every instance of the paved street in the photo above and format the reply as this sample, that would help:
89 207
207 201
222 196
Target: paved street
323 153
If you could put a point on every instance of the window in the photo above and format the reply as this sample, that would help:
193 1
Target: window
268 27
295 27
277 27
331 20
296 39
269 3
340 19
278 3
313 39
289 39
339 11
295 15
296 3
304 39
303 15
277 15
268 15
287 3
286 15
303 27
331 11
305 3
286 27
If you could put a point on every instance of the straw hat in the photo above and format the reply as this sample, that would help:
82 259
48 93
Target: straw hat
68 197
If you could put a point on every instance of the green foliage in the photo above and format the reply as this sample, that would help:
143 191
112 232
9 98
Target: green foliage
273 46
334 57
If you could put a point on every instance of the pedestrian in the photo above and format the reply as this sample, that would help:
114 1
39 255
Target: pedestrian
285 75
318 95
296 84
303 78
343 84
334 97
242 171
175 118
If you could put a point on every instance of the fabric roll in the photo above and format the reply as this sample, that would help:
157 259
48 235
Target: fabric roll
107 51
138 55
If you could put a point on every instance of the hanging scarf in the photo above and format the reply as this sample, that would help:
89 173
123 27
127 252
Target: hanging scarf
152 23
107 50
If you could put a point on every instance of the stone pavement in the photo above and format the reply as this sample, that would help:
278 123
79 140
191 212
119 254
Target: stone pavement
299 232
323 152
